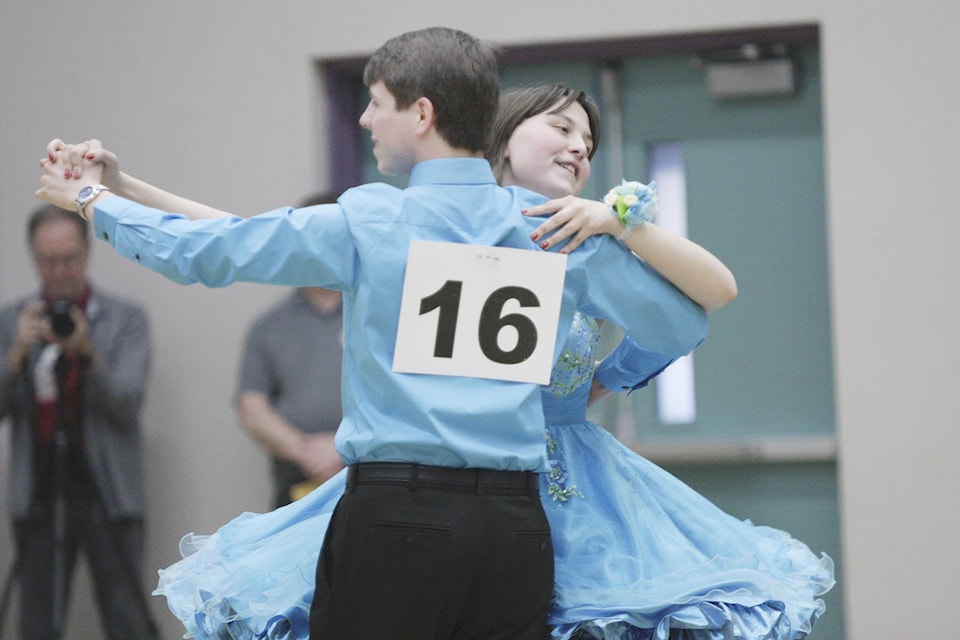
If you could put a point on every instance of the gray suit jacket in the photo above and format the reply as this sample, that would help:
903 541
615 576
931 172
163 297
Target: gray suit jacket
113 396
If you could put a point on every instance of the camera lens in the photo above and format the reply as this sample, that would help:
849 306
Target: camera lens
60 321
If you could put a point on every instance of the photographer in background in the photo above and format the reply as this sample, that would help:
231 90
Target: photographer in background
72 382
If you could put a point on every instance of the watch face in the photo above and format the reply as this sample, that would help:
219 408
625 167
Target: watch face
85 192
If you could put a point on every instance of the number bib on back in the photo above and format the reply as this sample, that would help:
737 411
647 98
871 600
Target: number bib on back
481 312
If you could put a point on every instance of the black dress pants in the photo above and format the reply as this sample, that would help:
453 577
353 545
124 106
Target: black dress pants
428 553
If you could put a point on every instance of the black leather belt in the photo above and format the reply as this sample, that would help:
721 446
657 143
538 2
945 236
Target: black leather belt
483 481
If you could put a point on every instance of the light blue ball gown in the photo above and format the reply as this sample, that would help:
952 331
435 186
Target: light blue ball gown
639 554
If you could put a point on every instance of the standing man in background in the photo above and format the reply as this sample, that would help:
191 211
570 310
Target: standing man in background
289 389
288 395
72 383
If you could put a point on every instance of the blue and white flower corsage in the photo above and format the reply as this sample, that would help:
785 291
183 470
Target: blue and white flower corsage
634 204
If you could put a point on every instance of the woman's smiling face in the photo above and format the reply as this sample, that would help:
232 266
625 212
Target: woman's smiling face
549 152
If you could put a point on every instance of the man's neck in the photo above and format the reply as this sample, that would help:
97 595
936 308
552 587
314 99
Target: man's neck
434 147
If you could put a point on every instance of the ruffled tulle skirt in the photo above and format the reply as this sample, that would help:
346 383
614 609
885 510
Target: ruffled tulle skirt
253 577
639 554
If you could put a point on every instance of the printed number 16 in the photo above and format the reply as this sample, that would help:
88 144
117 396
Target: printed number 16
447 299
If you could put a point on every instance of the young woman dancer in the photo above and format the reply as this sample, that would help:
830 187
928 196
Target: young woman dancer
637 553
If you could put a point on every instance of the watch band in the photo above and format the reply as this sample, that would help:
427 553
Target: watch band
86 195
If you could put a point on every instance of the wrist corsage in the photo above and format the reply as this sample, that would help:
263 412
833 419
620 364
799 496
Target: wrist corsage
634 204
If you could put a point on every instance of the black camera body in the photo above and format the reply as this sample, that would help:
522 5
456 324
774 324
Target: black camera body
61 322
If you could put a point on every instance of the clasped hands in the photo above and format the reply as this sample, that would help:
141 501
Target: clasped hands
68 168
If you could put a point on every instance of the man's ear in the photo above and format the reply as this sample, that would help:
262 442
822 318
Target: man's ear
425 114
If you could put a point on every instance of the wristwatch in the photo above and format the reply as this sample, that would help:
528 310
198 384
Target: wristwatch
87 194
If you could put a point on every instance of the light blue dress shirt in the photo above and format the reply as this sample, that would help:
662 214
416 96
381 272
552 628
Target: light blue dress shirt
359 246
630 367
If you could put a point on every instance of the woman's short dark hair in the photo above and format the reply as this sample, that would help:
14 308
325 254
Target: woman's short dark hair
454 70
517 105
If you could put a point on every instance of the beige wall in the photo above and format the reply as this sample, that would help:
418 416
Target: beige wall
216 100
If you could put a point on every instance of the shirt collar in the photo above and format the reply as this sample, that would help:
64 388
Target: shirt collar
451 171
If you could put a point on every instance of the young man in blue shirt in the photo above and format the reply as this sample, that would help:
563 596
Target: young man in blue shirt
441 533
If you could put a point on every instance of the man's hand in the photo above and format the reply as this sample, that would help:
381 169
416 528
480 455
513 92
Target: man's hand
319 459
77 343
32 325
597 392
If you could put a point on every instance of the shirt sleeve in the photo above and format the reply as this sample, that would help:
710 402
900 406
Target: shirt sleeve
296 247
629 367
621 288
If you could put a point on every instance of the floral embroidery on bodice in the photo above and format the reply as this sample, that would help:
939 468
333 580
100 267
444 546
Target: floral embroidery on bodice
574 367
565 398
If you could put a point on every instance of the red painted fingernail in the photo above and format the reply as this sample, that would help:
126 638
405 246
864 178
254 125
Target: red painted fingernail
534 235
89 156
544 244
523 210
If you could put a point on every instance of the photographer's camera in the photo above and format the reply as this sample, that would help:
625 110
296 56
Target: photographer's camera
61 322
